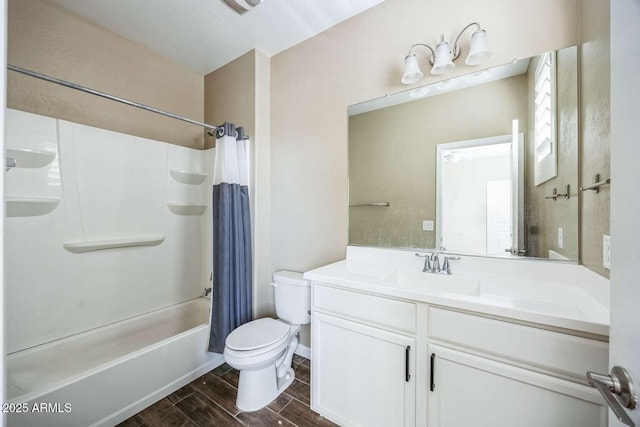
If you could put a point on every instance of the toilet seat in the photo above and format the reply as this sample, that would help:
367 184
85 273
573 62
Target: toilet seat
258 336
265 341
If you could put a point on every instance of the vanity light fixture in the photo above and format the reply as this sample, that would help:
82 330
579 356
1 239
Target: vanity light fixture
442 56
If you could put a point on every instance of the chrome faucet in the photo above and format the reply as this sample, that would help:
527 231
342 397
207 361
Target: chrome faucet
432 263
435 266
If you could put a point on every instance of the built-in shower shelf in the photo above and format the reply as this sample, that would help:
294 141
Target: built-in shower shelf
30 206
26 158
186 208
99 245
186 177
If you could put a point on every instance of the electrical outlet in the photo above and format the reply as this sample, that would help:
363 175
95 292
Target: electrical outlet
560 238
427 225
606 251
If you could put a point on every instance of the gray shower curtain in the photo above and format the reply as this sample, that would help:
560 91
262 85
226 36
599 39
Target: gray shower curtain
231 303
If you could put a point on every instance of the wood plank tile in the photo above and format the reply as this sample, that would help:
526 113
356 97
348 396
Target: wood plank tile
180 394
134 421
206 413
164 414
232 377
299 414
307 363
300 391
303 373
280 402
264 417
218 391
297 359
221 370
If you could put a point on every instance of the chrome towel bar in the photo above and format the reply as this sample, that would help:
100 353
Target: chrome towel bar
385 204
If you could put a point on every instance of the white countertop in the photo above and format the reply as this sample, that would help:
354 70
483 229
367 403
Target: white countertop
545 293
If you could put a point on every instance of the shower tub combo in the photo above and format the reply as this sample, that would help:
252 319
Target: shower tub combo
104 376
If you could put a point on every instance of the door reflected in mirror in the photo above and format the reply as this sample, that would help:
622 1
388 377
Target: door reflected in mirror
443 166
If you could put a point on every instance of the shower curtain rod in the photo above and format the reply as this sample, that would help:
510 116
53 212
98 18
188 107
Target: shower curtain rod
210 128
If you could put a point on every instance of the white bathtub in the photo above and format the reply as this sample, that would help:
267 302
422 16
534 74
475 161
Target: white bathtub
103 376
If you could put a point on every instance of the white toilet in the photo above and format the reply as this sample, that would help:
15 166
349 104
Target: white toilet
262 349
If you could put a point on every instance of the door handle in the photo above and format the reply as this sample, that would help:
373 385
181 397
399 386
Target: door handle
618 390
516 251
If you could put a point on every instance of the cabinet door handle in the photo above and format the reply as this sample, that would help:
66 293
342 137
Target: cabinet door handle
432 385
407 376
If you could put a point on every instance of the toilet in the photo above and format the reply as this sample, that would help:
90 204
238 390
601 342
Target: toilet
262 349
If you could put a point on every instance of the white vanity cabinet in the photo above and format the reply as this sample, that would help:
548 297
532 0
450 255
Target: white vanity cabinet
385 361
476 391
363 372
489 372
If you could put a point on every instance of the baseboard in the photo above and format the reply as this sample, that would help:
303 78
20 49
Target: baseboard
304 351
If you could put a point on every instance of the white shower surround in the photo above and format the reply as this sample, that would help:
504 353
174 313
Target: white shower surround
103 286
111 187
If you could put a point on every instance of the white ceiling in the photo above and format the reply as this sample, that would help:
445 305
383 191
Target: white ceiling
206 34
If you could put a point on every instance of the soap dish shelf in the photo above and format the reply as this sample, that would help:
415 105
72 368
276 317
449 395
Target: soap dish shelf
186 208
186 177
30 206
26 158
99 245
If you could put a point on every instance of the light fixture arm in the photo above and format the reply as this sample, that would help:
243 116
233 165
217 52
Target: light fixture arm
433 53
456 47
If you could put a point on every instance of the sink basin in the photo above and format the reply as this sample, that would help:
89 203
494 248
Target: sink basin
434 283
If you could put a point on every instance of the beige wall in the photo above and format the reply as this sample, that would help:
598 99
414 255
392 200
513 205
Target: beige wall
239 93
52 41
595 128
392 157
313 83
544 216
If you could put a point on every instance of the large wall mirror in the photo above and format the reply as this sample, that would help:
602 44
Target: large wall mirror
485 163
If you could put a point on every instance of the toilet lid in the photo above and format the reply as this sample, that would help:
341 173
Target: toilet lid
256 334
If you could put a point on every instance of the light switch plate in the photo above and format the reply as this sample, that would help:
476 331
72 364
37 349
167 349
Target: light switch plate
560 238
606 251
427 225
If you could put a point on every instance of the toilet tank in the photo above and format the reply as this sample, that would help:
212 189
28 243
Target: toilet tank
293 297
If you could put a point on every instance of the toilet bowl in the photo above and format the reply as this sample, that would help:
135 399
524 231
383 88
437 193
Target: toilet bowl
262 349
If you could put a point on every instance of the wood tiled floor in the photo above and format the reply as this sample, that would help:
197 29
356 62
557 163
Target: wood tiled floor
211 401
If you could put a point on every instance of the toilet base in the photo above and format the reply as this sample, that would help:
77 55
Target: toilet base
256 389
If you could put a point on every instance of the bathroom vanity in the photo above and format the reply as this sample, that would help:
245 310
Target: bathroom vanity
496 343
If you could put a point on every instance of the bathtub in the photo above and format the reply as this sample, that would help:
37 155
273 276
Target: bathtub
104 376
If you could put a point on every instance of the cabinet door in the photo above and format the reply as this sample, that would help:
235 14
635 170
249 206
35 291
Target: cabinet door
473 391
362 376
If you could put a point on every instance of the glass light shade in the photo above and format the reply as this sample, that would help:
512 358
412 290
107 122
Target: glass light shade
442 62
479 49
412 72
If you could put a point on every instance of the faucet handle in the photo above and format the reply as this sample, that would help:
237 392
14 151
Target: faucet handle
445 265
